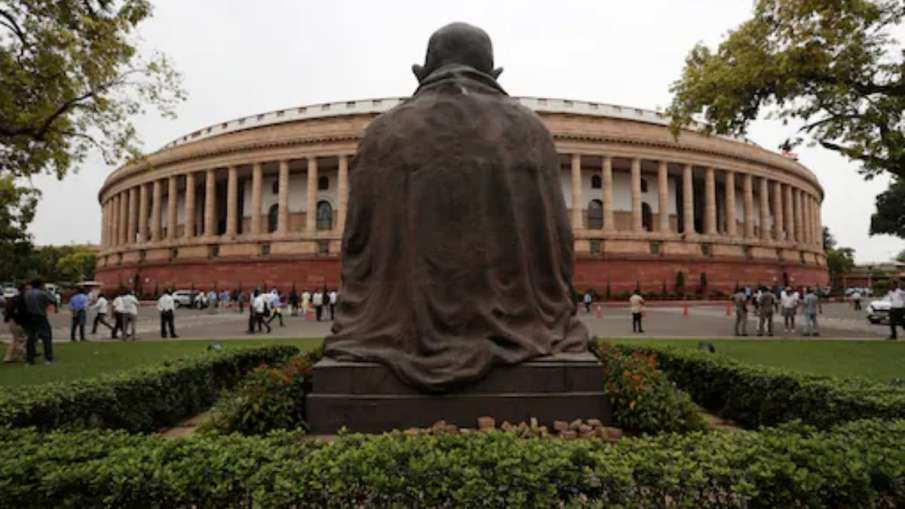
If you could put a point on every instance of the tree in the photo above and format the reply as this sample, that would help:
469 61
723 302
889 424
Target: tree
77 264
830 64
840 261
70 79
17 209
901 256
829 242
890 215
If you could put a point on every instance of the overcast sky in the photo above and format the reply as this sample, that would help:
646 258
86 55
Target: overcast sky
240 58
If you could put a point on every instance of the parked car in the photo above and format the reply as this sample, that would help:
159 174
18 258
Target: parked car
184 298
878 312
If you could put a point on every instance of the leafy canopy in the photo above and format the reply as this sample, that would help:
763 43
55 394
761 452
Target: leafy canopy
829 64
890 215
70 79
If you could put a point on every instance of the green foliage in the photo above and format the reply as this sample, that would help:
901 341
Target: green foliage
269 398
833 66
840 261
642 398
765 396
857 465
54 264
889 218
881 286
17 209
141 400
70 79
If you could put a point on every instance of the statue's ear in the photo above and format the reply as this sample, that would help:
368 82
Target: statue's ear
496 72
418 71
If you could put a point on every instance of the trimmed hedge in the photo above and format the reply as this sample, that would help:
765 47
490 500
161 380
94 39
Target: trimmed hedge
857 465
642 397
764 396
140 400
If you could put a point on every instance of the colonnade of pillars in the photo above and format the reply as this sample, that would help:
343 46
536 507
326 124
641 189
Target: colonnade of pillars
135 215
786 213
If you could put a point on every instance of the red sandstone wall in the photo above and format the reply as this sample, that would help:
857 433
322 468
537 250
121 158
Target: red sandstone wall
621 274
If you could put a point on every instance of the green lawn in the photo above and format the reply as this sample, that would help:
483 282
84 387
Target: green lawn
876 360
85 360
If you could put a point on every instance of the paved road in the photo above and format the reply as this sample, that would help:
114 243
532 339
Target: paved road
702 321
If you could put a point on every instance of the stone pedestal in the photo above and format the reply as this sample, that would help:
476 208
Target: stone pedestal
367 397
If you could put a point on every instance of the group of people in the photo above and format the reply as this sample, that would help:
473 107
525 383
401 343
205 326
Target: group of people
265 307
788 301
26 316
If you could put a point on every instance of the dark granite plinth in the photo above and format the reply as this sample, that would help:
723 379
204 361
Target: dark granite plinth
367 397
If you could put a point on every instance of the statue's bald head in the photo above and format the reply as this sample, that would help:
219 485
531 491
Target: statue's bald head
458 44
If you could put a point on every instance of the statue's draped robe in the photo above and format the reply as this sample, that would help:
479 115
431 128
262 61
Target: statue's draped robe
457 252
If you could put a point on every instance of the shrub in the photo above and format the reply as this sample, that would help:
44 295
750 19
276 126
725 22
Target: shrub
140 400
764 396
642 398
858 465
269 398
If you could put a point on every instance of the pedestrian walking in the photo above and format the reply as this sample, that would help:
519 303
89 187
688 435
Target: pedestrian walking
212 302
588 300
130 314
318 301
242 298
167 308
636 304
788 300
740 302
14 315
856 300
306 303
78 308
332 296
276 307
37 301
261 311
100 313
810 306
293 302
896 297
766 304
118 320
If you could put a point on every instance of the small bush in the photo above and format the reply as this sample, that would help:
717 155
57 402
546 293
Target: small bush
764 396
642 398
858 465
269 398
139 400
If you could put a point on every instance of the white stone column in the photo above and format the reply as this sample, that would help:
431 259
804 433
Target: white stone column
232 201
156 193
637 219
283 200
796 207
748 190
114 221
663 196
609 220
710 201
133 215
311 211
343 193
778 215
210 203
172 201
143 213
790 213
577 199
764 195
188 230
731 219
688 200
257 182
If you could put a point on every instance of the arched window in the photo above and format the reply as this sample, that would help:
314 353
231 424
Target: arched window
323 183
596 182
647 217
643 185
595 214
272 218
324 215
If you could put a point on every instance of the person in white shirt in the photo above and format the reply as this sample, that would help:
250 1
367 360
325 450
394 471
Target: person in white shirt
306 303
318 301
167 307
118 322
130 314
896 309
261 310
332 297
856 300
788 299
100 313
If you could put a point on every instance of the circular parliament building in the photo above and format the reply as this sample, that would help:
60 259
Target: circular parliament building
261 201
